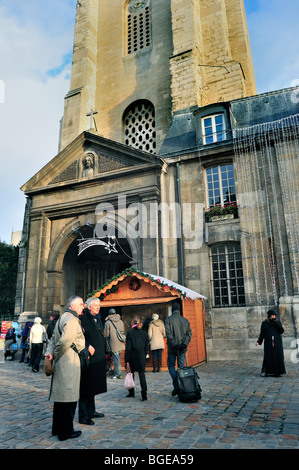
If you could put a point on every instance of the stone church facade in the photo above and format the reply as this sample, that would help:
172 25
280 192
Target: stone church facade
162 122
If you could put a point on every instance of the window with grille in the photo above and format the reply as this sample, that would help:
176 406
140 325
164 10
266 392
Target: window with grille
220 182
139 126
227 275
139 30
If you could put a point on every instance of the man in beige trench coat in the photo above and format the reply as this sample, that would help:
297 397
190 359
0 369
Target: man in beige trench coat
65 383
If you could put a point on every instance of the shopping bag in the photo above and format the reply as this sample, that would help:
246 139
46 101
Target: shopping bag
129 381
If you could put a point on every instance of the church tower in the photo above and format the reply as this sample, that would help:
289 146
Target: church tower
170 163
137 62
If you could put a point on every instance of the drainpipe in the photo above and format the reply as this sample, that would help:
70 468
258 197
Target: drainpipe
179 227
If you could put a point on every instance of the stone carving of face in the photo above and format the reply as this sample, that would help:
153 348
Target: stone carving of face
88 162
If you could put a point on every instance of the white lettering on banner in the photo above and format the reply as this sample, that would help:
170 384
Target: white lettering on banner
138 220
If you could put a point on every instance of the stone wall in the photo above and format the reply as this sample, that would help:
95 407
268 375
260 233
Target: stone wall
199 54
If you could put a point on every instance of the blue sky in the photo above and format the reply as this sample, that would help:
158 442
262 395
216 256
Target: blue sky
36 42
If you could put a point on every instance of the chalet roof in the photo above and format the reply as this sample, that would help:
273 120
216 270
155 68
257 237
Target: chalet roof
161 282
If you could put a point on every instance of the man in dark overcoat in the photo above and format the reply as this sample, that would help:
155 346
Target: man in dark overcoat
271 331
93 378
178 333
135 354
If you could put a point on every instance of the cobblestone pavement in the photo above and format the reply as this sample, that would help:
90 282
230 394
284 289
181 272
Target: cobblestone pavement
238 410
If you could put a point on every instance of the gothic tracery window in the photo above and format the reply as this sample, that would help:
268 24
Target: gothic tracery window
139 126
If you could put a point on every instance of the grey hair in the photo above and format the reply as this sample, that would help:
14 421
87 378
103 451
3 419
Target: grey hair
72 298
90 300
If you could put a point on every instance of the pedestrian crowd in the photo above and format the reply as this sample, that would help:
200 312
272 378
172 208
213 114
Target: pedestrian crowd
82 350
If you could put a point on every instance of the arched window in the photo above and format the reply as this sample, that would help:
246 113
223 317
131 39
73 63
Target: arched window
139 126
138 26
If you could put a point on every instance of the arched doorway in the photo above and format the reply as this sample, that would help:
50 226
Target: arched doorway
88 266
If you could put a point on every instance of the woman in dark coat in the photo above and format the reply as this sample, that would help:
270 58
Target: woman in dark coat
135 354
93 378
271 331
24 342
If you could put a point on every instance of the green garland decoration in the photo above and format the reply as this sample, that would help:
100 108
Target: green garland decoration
134 284
131 271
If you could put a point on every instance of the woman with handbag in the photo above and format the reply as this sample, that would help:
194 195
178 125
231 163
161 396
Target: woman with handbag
36 338
135 355
114 330
24 346
156 334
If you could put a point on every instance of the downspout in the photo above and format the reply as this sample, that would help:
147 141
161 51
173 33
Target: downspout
179 226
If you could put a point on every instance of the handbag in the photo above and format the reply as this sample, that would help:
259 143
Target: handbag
129 381
49 370
45 337
83 357
120 336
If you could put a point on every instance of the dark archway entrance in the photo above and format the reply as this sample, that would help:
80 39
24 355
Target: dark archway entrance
83 273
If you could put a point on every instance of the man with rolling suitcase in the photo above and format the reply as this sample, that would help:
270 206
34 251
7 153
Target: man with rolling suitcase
178 333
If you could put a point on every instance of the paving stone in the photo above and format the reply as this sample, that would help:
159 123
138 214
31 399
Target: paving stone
238 410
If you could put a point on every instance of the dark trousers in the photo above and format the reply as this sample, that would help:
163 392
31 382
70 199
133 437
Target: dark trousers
173 356
36 355
63 417
86 407
143 384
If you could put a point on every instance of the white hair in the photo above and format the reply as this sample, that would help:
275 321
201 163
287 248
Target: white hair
90 300
71 299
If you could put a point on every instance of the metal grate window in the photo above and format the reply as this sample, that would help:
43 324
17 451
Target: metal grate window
139 126
227 275
139 31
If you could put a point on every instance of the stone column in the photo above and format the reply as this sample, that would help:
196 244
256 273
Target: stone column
150 234
54 292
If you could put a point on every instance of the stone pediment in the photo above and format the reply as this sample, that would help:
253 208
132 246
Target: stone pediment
89 157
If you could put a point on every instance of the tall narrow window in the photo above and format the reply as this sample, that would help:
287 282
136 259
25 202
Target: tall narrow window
139 25
139 126
220 182
227 275
213 129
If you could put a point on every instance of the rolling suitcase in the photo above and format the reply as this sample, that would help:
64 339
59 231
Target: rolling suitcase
187 385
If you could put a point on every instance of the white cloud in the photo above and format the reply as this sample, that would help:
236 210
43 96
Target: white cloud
274 38
33 42
36 39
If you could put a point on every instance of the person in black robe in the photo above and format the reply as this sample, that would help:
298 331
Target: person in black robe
135 354
271 331
93 378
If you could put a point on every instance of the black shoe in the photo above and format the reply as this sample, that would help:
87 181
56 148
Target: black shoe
86 421
97 415
72 436
174 392
131 395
